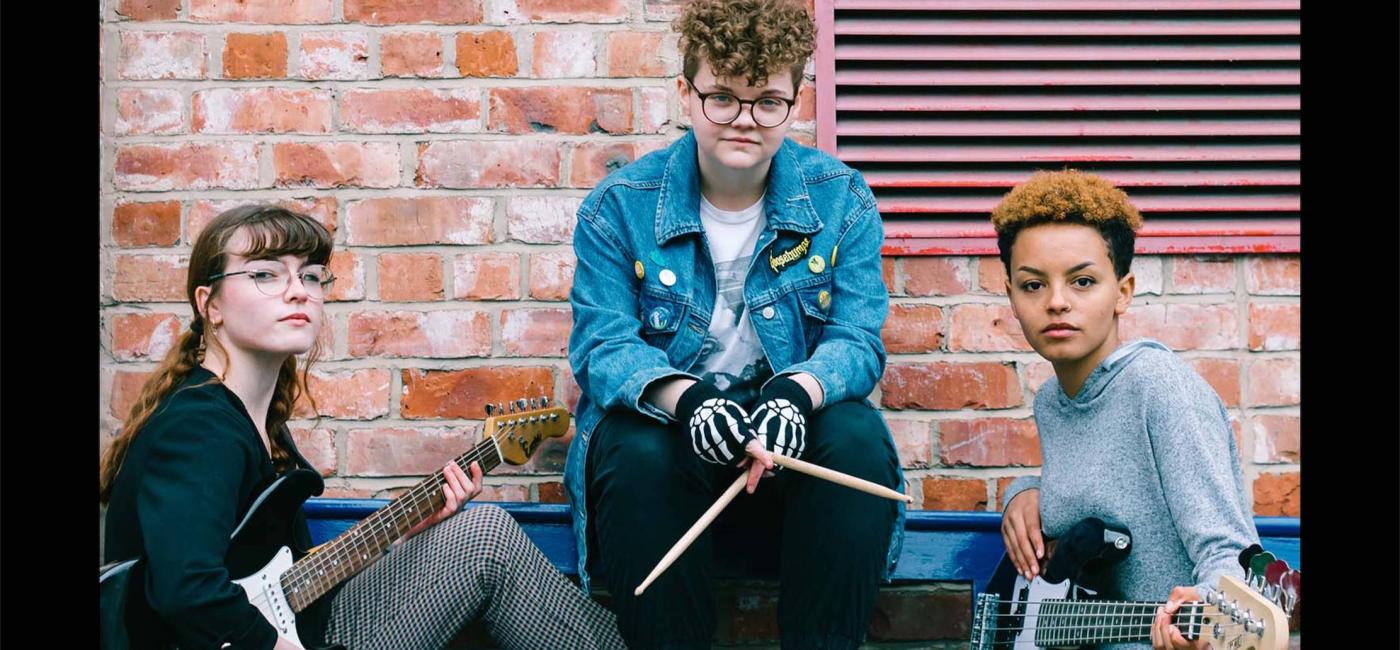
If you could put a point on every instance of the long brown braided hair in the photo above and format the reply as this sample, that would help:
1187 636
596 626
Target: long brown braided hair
271 231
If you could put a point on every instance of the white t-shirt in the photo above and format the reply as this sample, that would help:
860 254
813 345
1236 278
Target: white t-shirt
732 356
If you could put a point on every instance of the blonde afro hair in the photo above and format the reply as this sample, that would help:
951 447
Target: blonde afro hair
1069 196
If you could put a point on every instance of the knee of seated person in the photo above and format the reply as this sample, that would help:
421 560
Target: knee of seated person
486 534
649 452
854 434
485 519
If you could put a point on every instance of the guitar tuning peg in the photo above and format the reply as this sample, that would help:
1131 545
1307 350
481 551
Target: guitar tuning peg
1209 596
544 402
489 409
534 402
521 403
1273 573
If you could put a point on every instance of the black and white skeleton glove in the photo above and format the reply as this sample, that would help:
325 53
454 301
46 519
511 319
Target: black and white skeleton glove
718 427
780 419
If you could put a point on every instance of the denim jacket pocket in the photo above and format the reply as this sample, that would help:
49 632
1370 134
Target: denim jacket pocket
661 316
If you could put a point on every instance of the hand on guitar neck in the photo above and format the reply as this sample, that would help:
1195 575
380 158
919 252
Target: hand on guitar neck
1165 634
457 489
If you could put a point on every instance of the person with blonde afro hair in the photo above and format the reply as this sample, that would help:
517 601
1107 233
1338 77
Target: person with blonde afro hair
1129 432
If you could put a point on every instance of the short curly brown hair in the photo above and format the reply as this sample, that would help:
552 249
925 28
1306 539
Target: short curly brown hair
746 37
1069 196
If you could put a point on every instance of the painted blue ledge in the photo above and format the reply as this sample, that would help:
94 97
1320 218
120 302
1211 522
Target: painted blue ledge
938 546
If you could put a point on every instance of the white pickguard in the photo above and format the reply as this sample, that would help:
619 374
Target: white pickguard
264 589
1040 591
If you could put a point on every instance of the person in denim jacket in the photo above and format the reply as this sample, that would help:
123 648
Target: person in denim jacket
727 303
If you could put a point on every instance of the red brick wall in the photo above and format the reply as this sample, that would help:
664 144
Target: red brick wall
447 144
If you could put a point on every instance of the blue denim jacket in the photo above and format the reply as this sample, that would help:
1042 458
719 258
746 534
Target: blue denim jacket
814 289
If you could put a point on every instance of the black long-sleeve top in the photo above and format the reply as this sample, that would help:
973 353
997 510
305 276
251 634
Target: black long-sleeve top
189 477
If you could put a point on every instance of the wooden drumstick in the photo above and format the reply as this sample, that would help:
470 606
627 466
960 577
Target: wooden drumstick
694 531
840 478
794 464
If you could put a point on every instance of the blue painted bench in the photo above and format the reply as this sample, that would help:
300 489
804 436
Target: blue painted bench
938 546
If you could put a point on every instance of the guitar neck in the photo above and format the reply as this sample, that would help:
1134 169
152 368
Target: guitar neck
317 573
1081 622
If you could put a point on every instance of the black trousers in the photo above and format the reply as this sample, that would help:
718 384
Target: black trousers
646 487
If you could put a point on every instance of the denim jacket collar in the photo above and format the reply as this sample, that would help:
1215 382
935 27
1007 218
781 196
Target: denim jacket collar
678 211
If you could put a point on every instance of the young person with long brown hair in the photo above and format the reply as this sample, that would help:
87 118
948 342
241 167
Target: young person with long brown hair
208 433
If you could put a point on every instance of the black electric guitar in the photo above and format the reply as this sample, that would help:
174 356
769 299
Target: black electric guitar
1059 608
282 582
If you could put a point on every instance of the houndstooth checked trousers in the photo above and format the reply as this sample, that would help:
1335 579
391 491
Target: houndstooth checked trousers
477 564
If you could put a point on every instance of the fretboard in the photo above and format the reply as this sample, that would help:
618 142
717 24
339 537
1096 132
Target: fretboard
1081 622
317 573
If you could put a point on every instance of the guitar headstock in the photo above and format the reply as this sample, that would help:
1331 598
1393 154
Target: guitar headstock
1271 576
1237 617
1283 585
521 425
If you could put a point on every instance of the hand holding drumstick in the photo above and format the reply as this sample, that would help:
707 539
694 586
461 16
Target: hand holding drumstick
750 478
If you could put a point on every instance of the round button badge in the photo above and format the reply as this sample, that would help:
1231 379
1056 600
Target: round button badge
659 318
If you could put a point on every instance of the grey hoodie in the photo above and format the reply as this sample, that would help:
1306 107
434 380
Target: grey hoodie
1146 443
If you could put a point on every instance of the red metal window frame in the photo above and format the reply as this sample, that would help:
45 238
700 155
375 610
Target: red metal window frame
1268 234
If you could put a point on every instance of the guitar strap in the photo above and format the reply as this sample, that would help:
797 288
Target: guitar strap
284 438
